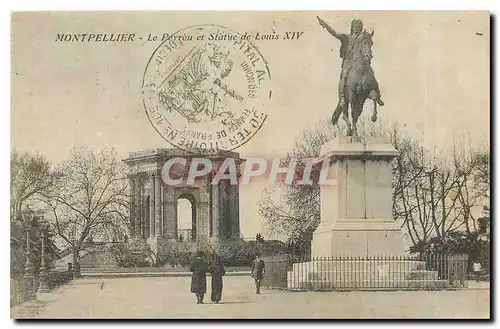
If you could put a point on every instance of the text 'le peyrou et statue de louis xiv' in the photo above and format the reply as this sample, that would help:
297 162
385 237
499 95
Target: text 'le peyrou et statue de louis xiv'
357 80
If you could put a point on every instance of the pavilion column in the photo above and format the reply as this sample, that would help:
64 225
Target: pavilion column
138 210
158 202
132 205
235 210
170 219
202 221
152 196
215 211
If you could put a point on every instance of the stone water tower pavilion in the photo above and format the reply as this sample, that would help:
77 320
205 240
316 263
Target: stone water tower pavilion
154 204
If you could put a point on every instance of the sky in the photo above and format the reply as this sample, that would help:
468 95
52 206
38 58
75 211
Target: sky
432 67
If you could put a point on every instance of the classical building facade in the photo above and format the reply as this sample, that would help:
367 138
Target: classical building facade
154 204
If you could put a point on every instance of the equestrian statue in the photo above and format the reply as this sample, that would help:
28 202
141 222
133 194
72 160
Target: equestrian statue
357 80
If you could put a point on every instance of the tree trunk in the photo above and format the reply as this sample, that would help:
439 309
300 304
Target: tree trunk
76 264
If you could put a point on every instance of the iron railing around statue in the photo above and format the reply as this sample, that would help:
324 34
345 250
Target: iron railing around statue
427 272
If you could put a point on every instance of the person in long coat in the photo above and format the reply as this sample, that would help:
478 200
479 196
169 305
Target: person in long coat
199 278
217 270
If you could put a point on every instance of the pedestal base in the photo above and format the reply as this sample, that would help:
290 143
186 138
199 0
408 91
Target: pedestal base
29 281
43 286
358 237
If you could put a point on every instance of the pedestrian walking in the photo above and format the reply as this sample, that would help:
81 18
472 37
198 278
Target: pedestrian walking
217 271
258 271
199 268
477 270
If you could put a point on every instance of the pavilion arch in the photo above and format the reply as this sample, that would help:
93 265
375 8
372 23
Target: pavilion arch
153 215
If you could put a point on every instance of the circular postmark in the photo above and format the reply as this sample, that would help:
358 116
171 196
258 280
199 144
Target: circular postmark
205 88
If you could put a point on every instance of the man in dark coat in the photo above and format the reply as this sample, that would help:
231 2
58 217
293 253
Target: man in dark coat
217 270
258 271
199 278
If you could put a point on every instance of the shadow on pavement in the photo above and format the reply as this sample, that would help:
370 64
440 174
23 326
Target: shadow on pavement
235 302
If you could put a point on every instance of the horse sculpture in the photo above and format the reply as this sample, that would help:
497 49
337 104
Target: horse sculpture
360 83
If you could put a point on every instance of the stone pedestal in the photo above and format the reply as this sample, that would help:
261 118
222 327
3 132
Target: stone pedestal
356 212
357 244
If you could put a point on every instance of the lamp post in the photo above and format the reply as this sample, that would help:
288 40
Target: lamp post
27 216
43 286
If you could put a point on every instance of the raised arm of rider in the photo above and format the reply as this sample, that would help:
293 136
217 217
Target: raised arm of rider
339 36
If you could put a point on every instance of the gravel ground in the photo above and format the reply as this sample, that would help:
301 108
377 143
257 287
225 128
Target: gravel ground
170 298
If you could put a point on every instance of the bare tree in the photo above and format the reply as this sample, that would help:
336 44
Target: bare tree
296 212
29 174
89 200
425 185
473 168
434 193
408 173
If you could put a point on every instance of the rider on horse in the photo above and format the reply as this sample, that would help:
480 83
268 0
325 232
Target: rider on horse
351 49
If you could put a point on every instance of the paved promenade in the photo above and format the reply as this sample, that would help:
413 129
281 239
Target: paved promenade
169 297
